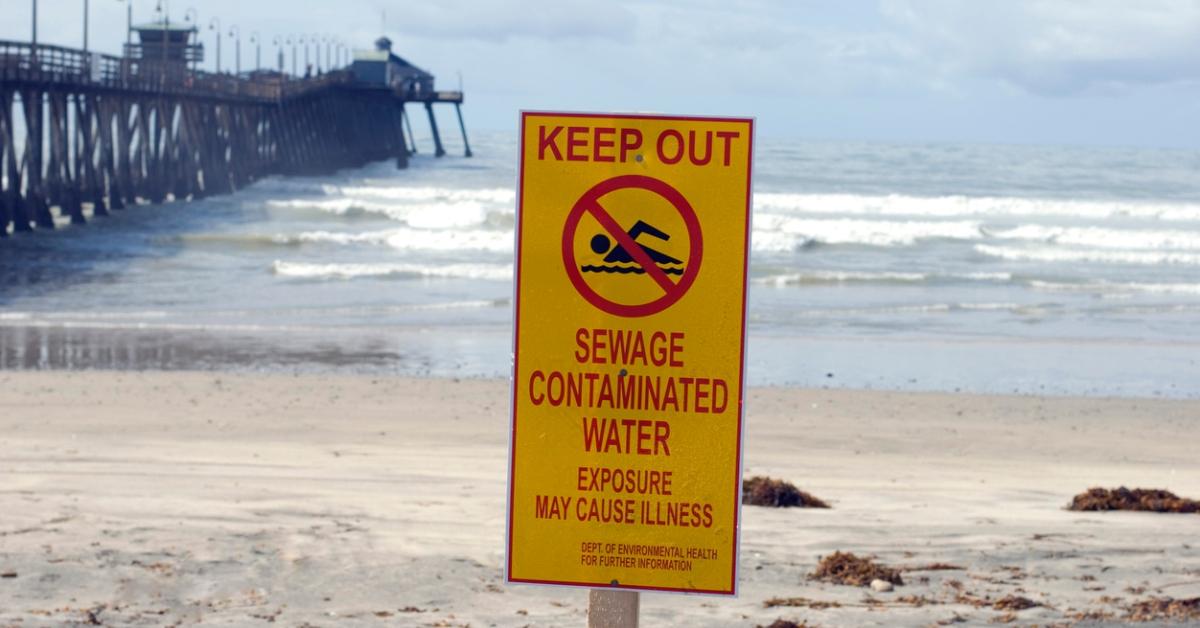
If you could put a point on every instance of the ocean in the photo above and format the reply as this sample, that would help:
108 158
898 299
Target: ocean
978 268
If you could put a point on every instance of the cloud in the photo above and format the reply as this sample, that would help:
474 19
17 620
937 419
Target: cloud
1125 70
503 20
1055 47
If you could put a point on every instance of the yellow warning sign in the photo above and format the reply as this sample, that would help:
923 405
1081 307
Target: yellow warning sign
629 345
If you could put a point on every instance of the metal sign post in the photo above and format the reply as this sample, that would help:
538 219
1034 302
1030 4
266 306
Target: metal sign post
610 608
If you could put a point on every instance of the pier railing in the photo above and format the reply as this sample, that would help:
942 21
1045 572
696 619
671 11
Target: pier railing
50 65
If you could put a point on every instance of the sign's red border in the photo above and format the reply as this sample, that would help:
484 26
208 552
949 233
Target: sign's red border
512 439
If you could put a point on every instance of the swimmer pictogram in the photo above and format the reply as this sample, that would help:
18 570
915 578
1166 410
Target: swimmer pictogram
616 254
632 251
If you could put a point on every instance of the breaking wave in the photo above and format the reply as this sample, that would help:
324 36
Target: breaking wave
417 239
421 215
820 277
963 206
1051 255
778 233
1099 237
1097 287
501 196
303 270
401 239
1110 287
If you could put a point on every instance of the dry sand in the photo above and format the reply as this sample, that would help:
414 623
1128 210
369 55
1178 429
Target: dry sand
223 499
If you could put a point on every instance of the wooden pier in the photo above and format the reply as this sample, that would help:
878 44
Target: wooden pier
83 133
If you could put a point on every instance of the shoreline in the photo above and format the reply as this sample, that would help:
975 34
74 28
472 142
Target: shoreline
216 497
1059 368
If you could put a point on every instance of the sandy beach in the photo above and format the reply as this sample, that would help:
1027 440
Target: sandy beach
231 499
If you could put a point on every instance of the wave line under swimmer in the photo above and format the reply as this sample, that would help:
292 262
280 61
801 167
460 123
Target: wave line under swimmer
615 254
625 270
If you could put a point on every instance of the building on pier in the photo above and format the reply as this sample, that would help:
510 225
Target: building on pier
166 42
381 66
385 68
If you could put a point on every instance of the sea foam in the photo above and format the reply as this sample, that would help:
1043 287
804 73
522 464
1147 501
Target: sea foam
964 206
1099 237
775 232
303 270
1052 255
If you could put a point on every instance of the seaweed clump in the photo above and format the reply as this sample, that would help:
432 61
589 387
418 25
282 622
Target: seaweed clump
764 491
786 623
801 602
1159 609
1014 603
848 569
1165 608
1136 499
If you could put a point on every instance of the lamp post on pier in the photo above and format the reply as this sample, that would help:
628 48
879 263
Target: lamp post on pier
191 17
128 37
87 59
304 45
215 26
128 21
33 41
257 41
292 42
236 34
278 51
164 13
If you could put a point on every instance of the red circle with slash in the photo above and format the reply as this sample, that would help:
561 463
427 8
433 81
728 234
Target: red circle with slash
589 203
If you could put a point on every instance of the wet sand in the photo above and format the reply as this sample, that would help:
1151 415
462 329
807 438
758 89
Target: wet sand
220 499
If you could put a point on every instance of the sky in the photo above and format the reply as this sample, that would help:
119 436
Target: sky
1060 72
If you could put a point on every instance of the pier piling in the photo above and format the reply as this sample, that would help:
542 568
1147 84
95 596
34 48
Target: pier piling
438 151
462 127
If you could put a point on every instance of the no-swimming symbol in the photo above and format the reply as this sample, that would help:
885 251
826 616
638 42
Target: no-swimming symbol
631 251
